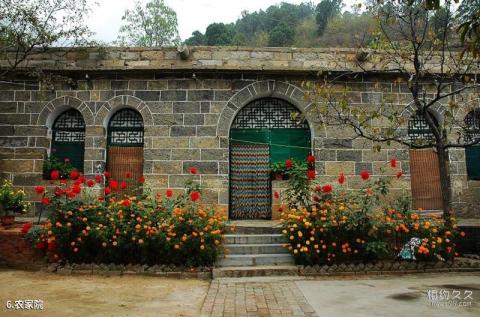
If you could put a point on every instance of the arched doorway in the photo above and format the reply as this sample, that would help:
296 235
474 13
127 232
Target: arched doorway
266 131
424 167
68 138
472 153
125 146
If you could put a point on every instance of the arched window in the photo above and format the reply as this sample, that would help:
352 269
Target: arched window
472 153
424 166
68 138
125 146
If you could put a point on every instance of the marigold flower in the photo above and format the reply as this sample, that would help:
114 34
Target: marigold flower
39 189
126 203
54 174
288 163
365 175
194 196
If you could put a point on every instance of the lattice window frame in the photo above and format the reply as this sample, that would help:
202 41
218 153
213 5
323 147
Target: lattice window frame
269 113
125 128
69 127
418 129
472 126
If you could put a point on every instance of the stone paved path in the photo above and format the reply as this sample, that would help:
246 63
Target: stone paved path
263 298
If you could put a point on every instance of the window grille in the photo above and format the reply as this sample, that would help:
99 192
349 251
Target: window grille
418 128
472 124
69 127
269 113
126 129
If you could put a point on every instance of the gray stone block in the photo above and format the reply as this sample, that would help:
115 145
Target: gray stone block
183 131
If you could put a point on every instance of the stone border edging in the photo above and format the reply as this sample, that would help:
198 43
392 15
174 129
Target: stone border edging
390 268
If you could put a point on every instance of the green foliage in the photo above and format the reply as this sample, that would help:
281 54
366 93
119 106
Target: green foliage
12 200
53 163
325 10
281 35
219 34
154 25
196 39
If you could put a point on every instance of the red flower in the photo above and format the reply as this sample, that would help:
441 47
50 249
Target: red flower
74 174
365 175
76 189
311 159
123 185
82 179
311 174
169 193
194 196
63 182
77 182
58 192
107 174
108 190
193 170
71 194
40 245
341 179
393 163
98 178
141 179
276 195
26 227
101 198
45 201
66 160
126 203
327 188
318 188
51 246
54 174
39 189
90 183
128 175
399 174
114 184
288 163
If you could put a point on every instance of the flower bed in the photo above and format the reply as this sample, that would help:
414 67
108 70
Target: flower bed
88 224
330 224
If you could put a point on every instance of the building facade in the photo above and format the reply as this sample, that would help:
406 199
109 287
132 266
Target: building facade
149 112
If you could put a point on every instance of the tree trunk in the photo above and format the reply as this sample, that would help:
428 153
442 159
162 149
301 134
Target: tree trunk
444 180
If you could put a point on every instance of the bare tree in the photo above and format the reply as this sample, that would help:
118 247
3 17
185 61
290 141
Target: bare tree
30 27
419 47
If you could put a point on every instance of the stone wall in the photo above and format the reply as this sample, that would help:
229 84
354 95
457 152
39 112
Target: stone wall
187 117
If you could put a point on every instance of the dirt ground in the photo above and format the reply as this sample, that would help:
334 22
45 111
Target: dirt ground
76 295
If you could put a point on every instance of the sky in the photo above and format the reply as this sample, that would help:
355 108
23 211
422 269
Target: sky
192 15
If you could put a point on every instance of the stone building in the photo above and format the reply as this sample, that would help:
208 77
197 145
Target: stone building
152 112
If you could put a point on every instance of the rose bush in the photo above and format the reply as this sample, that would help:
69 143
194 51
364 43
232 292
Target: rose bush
331 224
89 224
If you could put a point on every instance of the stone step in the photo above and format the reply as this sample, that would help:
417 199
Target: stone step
274 248
251 271
255 259
254 238
256 230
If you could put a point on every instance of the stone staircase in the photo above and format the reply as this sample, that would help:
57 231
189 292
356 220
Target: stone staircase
256 248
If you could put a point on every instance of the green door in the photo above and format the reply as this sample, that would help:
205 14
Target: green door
472 154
